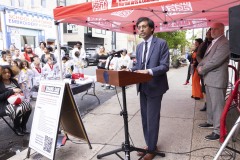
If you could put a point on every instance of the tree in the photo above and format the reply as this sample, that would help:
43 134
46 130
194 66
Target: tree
175 40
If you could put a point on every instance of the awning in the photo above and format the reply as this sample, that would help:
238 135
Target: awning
168 15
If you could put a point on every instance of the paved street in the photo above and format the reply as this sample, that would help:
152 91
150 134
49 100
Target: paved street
10 143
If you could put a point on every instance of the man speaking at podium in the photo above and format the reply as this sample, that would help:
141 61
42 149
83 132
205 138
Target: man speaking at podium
152 58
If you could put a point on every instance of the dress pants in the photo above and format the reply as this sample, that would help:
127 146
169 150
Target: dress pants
150 112
215 104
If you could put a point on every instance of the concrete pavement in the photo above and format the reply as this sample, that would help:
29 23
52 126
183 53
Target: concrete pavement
179 136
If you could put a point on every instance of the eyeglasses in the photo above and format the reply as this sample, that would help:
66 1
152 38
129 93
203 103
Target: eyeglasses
142 27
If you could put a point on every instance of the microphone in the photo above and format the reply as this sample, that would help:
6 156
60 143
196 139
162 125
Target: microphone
116 53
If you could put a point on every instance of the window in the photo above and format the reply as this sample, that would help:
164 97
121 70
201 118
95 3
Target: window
12 2
99 31
21 3
29 40
32 3
61 2
70 28
17 3
43 3
89 30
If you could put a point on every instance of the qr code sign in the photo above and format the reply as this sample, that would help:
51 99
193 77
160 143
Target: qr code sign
48 144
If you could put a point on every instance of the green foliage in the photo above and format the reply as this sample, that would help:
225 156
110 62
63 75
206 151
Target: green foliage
176 40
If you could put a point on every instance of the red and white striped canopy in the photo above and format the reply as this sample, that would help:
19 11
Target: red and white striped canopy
168 15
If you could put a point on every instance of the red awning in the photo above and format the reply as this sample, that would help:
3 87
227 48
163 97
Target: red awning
168 15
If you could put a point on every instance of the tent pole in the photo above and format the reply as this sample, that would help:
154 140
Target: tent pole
59 50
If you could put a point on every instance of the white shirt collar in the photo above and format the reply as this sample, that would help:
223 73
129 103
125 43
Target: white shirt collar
149 39
215 40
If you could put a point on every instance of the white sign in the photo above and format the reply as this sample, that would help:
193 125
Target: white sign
46 117
28 21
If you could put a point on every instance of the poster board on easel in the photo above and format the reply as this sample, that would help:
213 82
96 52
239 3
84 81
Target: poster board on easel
54 103
72 125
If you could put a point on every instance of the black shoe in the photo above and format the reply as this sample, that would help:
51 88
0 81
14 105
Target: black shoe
25 131
205 125
18 131
197 98
204 108
212 137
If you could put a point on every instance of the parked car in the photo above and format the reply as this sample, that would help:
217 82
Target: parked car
67 49
91 56
133 58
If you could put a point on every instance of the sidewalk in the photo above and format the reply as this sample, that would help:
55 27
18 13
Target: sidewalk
179 136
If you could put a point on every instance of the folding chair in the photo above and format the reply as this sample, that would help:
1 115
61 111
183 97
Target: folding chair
9 125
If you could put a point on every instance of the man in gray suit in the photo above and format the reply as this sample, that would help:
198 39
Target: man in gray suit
214 68
152 58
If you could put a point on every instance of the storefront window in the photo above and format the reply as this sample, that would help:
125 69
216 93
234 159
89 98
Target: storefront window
28 40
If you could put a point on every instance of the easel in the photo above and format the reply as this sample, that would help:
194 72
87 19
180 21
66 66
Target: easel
63 108
122 79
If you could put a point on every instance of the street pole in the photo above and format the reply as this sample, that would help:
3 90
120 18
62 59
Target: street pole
4 29
59 50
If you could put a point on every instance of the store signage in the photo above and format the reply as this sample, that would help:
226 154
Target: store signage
28 21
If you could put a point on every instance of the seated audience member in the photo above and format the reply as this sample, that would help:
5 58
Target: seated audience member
37 71
77 62
50 70
9 59
56 54
111 64
12 49
47 51
28 54
14 63
25 79
40 49
19 113
37 76
67 66
3 60
17 54
124 62
35 58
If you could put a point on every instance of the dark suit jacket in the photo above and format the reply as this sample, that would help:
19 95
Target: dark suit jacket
4 94
158 62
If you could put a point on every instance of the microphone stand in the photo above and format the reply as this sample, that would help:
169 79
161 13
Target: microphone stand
126 146
110 59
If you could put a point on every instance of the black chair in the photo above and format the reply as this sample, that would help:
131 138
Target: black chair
9 125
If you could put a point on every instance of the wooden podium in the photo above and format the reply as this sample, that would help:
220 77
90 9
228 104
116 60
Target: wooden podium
122 79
